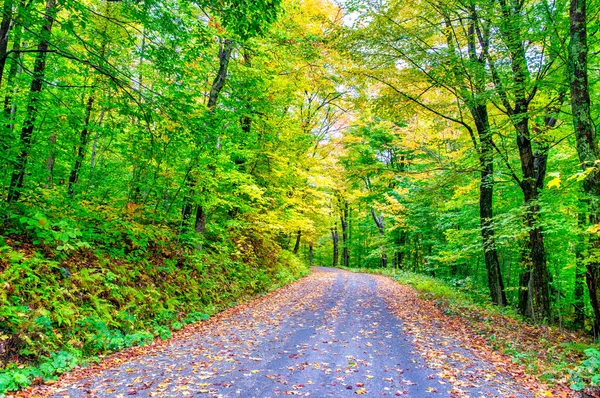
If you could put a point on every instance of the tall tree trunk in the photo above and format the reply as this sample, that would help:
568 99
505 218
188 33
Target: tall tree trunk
400 249
486 213
5 25
9 106
344 222
511 25
200 224
215 90
82 147
334 241
246 120
297 244
580 272
213 97
188 207
50 162
587 143
490 252
384 262
310 255
538 292
93 155
380 227
18 175
525 304
475 98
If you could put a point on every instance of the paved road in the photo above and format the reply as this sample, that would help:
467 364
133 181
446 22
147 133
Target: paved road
332 334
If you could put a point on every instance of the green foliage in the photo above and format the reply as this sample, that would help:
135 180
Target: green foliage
429 287
61 234
588 372
13 379
58 311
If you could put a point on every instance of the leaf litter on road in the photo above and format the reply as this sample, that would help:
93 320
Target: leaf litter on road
330 334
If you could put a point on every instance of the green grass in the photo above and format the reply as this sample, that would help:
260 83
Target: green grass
427 286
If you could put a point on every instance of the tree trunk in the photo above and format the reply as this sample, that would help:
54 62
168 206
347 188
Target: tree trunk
344 221
490 253
50 162
297 245
9 106
587 143
224 57
186 211
516 97
525 304
381 229
475 97
200 224
310 255
592 280
18 175
246 120
400 243
334 241
5 24
580 272
93 155
486 214
81 148
535 259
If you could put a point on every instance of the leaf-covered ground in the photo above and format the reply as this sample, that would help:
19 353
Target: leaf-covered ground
331 334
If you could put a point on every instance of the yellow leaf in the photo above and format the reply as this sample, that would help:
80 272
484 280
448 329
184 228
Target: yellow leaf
594 229
554 183
580 176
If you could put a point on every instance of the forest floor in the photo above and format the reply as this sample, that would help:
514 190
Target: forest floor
331 334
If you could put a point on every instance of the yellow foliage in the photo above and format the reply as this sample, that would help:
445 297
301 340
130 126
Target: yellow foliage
554 183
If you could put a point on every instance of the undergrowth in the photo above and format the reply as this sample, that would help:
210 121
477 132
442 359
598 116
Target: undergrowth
84 285
555 355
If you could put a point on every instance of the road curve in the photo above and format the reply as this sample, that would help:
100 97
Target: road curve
331 334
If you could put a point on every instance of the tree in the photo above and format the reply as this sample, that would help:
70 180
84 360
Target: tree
516 89
5 25
461 74
587 143
18 174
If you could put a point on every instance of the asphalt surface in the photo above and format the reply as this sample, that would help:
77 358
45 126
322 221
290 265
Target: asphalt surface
332 334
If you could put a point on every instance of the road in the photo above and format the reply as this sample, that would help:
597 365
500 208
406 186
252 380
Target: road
331 334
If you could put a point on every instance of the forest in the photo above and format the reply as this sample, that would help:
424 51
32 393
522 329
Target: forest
164 160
